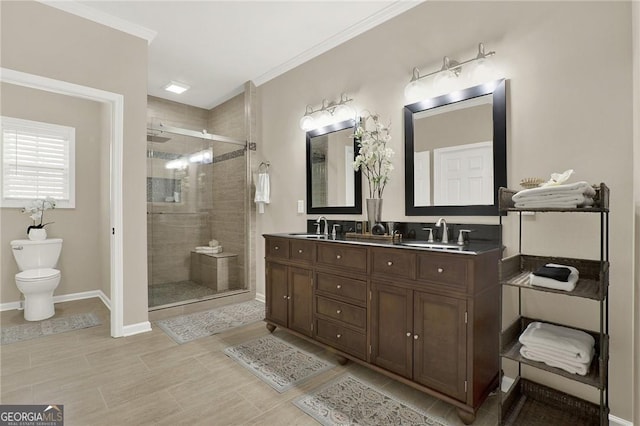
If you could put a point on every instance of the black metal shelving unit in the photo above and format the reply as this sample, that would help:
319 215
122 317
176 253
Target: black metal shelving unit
530 403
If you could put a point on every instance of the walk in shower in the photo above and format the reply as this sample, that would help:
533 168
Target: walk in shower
196 215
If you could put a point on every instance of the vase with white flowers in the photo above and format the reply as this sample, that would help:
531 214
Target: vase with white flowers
374 159
35 209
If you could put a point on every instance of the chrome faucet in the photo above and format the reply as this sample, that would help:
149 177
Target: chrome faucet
326 226
445 231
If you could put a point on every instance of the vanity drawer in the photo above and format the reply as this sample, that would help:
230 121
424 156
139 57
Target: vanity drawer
302 250
341 311
351 258
445 269
393 262
344 288
341 337
277 247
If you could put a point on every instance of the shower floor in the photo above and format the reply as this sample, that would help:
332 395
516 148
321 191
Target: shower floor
169 293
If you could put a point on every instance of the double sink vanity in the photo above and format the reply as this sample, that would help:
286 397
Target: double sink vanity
425 314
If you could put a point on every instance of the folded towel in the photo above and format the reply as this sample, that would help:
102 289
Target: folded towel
565 201
565 343
540 355
569 285
263 191
578 188
560 273
209 250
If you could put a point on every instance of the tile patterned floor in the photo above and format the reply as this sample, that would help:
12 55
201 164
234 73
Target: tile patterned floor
150 379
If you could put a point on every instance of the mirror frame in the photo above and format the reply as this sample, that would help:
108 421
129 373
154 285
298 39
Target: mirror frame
357 181
498 89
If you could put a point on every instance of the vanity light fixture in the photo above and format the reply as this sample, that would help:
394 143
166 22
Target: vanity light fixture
177 88
327 113
448 78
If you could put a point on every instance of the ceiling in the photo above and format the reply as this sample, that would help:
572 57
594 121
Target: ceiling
216 46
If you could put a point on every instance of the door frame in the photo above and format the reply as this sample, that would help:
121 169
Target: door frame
115 103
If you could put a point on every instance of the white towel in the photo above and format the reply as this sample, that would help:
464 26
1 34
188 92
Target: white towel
569 285
578 188
262 191
567 201
566 344
550 358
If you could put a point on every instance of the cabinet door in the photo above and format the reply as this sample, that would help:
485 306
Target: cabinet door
391 326
276 293
300 299
440 350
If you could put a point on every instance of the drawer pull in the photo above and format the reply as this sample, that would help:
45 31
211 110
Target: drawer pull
276 248
338 335
440 270
389 263
415 337
284 297
300 251
338 286
338 312
288 297
338 256
408 334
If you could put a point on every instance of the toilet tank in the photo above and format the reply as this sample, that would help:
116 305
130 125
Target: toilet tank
36 254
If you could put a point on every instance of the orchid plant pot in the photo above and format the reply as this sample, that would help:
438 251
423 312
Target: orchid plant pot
37 234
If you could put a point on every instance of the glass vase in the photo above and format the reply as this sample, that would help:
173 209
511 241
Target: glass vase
374 211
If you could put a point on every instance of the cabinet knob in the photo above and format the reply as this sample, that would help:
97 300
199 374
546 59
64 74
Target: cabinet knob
408 334
300 251
276 248
284 297
415 337
338 312
288 297
338 335
338 256
440 270
389 263
338 286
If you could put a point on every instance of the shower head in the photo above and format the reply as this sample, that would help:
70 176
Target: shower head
156 138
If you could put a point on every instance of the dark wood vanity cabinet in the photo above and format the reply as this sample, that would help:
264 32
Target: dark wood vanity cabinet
429 319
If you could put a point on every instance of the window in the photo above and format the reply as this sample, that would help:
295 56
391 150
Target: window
38 161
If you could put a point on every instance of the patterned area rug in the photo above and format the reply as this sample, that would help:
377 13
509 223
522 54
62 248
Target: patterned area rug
33 330
185 328
276 362
349 401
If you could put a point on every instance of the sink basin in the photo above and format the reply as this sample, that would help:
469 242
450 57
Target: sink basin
306 235
437 246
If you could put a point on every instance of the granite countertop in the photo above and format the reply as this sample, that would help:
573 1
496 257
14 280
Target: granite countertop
472 247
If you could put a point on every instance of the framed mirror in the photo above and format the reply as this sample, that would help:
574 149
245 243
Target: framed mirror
333 187
456 152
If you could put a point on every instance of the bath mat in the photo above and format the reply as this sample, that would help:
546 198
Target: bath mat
350 401
33 330
276 362
185 328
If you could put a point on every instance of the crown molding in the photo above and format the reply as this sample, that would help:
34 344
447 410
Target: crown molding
100 17
372 21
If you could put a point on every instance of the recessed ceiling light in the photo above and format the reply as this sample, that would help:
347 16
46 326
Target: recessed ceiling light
176 87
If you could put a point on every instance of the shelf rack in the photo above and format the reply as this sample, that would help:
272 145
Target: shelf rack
529 403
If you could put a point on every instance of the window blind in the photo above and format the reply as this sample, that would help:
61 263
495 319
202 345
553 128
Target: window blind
37 161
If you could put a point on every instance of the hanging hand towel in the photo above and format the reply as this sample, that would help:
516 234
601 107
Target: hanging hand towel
262 191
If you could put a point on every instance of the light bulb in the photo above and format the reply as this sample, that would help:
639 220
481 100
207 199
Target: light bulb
343 112
445 82
481 71
307 123
415 91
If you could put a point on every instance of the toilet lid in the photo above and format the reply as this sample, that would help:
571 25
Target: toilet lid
37 274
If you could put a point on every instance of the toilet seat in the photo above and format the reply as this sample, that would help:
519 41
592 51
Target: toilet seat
34 275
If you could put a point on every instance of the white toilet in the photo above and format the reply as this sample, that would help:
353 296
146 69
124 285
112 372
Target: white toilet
37 279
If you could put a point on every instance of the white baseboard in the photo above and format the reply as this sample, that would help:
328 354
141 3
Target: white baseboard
63 298
261 298
617 421
141 327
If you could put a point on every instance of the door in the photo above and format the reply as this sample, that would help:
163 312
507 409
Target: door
277 293
440 349
391 326
300 298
